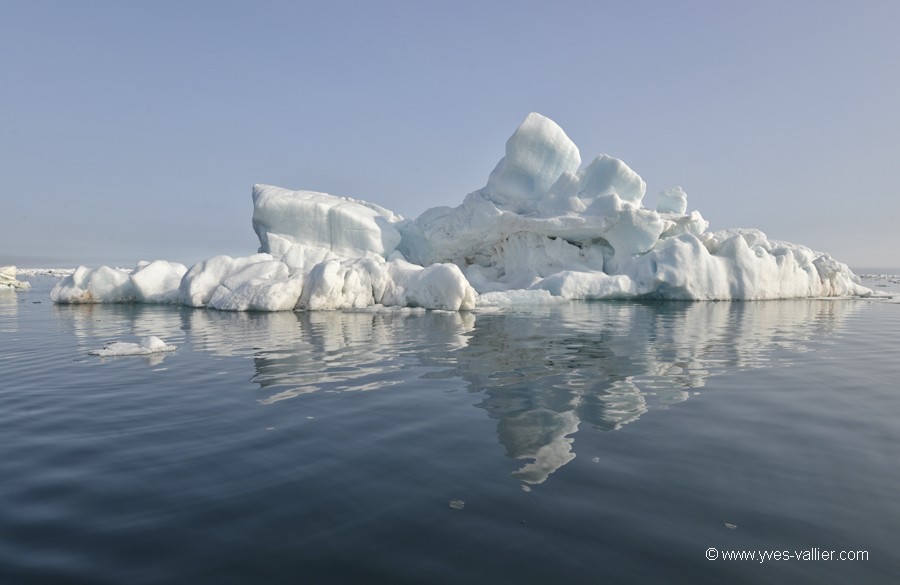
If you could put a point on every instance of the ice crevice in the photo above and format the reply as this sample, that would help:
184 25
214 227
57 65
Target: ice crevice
543 229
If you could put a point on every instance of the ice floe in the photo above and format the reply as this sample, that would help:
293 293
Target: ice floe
147 346
8 279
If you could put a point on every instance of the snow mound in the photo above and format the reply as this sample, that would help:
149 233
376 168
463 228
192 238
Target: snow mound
149 282
8 279
148 346
542 229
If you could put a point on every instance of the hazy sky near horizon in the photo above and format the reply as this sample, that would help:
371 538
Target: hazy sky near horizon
135 130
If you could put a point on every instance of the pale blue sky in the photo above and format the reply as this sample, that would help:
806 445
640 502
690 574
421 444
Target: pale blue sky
135 130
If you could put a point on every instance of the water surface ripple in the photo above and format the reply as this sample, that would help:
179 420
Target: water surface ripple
585 442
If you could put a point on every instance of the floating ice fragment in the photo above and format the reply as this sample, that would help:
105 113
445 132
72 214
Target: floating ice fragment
8 279
456 504
148 346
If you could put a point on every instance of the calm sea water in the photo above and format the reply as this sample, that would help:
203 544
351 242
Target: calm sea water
583 443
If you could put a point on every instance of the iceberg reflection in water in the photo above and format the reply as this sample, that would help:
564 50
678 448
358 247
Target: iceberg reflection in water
605 364
542 373
402 446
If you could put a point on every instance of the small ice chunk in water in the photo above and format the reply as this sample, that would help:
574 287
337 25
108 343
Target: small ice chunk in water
8 279
456 504
148 345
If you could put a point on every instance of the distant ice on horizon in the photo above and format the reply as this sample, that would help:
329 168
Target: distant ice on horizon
545 228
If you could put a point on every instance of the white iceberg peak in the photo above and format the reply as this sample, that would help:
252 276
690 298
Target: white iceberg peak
537 155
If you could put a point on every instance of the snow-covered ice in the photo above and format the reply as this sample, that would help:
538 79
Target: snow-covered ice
543 229
584 234
57 272
148 345
8 279
304 228
149 282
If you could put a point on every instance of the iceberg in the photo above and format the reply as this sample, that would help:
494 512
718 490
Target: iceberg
543 229
585 234
8 279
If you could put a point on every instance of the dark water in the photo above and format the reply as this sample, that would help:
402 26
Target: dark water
585 443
